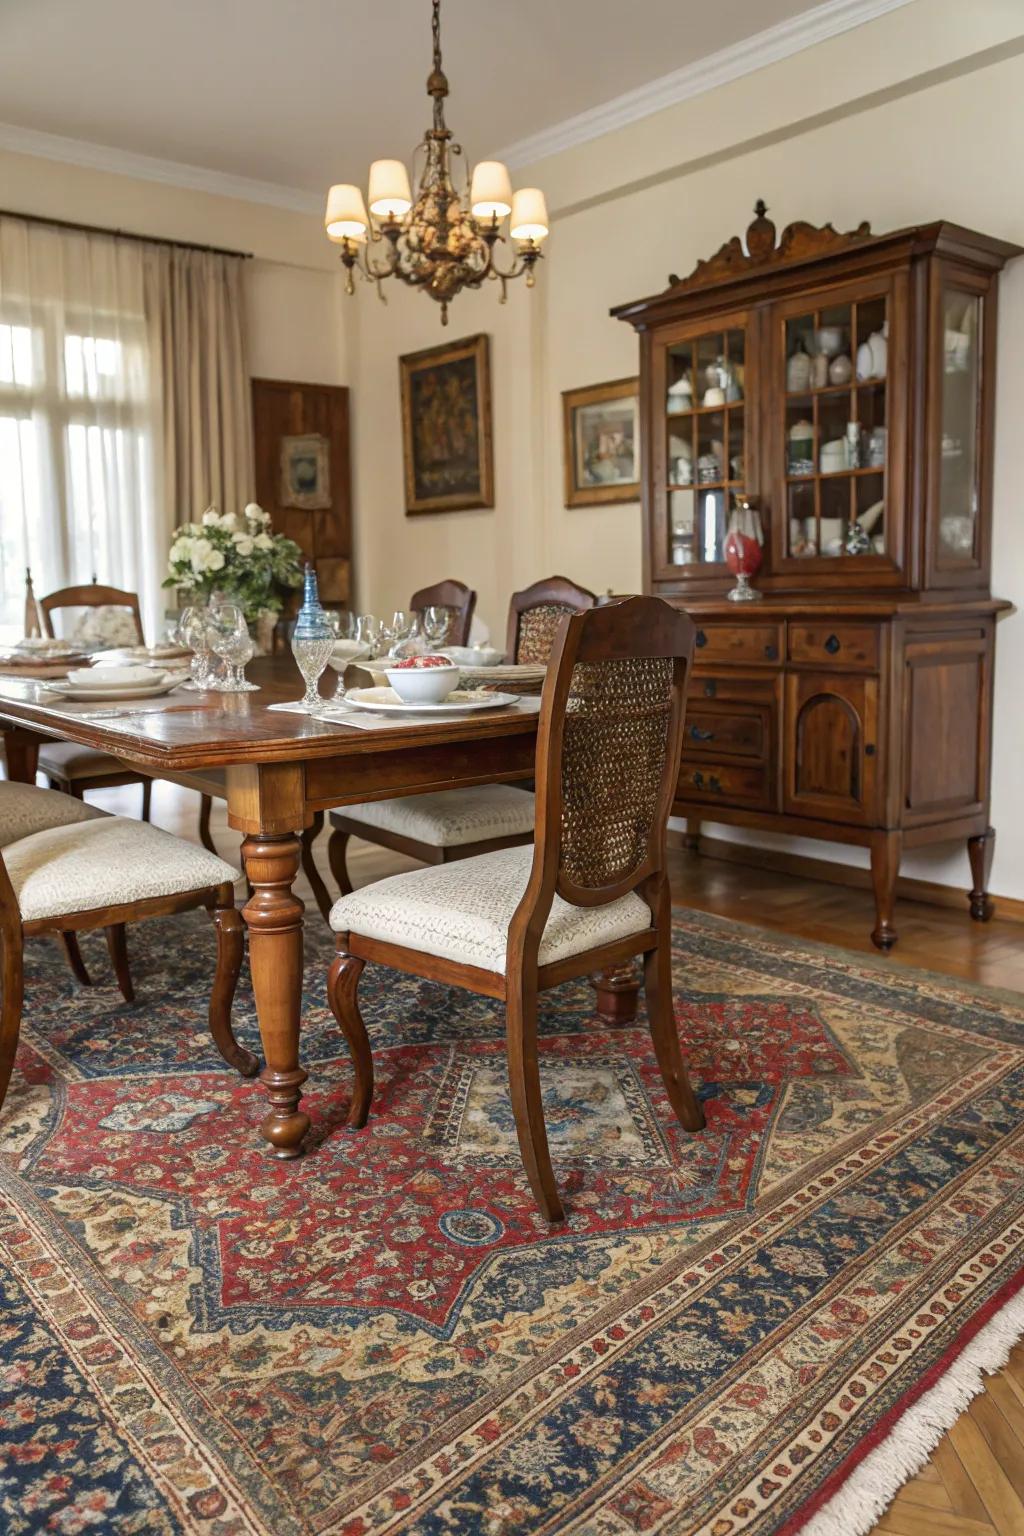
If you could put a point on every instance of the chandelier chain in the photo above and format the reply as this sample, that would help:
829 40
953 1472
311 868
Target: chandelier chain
435 27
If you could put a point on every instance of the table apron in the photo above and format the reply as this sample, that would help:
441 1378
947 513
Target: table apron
382 775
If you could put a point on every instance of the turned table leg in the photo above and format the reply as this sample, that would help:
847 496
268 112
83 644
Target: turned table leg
273 915
22 753
618 992
886 848
980 850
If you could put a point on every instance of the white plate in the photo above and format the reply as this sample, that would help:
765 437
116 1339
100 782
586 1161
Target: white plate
384 701
139 691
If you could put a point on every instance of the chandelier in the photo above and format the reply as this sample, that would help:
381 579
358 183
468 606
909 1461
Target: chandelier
442 240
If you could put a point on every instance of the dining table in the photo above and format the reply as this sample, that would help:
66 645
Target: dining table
278 772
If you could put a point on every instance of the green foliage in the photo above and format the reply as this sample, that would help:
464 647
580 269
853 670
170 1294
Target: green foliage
236 555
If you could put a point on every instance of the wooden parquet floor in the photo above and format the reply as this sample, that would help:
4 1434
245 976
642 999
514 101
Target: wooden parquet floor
973 1483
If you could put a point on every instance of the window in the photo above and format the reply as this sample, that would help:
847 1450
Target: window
76 453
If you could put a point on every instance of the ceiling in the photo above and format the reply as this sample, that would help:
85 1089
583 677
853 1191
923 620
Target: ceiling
301 93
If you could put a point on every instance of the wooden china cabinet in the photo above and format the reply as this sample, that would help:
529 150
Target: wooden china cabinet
843 386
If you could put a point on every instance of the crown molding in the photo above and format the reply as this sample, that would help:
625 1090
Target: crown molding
170 173
715 69
767 47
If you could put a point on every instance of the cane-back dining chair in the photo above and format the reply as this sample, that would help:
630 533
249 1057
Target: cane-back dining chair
592 892
66 867
66 764
459 823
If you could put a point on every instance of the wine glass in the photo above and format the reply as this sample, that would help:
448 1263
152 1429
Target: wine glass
368 632
312 644
398 630
192 631
229 638
435 621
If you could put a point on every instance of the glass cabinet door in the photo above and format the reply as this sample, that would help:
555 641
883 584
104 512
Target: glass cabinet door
705 443
959 489
836 450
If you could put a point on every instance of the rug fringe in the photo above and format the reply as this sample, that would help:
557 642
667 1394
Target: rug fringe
872 1486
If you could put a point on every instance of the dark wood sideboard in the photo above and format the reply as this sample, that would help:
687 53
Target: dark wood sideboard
843 385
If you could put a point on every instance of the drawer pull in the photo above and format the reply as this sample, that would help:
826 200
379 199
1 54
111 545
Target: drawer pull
772 652
713 783
700 640
832 644
710 688
696 734
869 750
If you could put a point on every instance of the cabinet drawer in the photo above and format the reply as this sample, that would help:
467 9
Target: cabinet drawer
717 643
725 783
739 688
838 645
734 733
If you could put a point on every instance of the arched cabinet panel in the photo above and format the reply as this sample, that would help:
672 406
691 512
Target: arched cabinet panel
831 750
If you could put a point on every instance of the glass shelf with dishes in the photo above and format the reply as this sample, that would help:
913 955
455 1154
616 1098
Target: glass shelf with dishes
705 424
959 491
836 429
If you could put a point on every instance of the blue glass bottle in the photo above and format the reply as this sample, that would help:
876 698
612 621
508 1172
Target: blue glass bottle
312 641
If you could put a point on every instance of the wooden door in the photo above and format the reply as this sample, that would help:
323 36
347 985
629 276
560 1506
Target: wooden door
303 478
831 748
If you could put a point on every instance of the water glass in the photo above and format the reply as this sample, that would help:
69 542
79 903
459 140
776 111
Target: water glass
368 632
436 620
229 638
192 631
312 647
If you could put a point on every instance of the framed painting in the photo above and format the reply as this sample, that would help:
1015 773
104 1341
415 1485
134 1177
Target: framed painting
306 472
446 427
601 426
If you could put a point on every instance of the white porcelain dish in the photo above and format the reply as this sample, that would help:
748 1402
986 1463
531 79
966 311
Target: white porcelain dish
473 655
113 677
422 685
385 701
151 690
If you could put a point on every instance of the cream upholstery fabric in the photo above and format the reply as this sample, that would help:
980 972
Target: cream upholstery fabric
461 912
104 863
25 809
454 817
71 760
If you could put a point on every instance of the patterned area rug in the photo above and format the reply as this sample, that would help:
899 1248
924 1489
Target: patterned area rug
384 1337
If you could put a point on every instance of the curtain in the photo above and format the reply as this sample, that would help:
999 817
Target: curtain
124 407
196 306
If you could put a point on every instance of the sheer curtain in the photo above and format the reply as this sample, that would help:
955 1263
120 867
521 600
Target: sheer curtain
124 407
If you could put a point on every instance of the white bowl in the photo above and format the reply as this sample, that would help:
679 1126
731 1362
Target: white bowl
422 685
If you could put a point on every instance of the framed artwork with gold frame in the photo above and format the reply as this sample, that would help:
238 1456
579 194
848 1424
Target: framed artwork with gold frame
447 446
601 425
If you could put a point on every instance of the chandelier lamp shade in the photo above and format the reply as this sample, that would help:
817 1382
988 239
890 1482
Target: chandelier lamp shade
441 238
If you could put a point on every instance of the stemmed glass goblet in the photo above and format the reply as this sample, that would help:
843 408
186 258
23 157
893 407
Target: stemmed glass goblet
399 630
312 645
229 638
435 621
192 631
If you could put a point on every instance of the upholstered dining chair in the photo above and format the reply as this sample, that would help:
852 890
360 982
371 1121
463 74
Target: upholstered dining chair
66 867
592 892
457 823
460 601
66 764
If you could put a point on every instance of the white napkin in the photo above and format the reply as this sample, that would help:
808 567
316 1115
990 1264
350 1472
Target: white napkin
113 677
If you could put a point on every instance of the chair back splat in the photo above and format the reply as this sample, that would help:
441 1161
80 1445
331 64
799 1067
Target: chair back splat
608 747
535 614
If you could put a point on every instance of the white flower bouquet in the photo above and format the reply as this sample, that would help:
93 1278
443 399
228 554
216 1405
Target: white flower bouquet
235 555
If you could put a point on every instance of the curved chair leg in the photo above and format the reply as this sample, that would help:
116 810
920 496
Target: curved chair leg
320 892
337 848
10 1007
664 1034
118 946
342 994
147 798
205 835
74 954
230 948
524 1087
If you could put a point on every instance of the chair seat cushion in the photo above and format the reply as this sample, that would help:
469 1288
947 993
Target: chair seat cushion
453 817
461 912
24 809
70 760
106 862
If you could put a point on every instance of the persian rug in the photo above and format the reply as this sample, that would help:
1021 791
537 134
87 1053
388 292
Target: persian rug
760 1329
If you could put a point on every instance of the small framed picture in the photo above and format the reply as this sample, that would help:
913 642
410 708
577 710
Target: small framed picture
305 472
602 443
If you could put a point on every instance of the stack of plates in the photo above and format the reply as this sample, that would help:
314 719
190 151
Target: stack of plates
115 683
525 675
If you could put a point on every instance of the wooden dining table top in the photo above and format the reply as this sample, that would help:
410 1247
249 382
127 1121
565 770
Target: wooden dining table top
184 730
